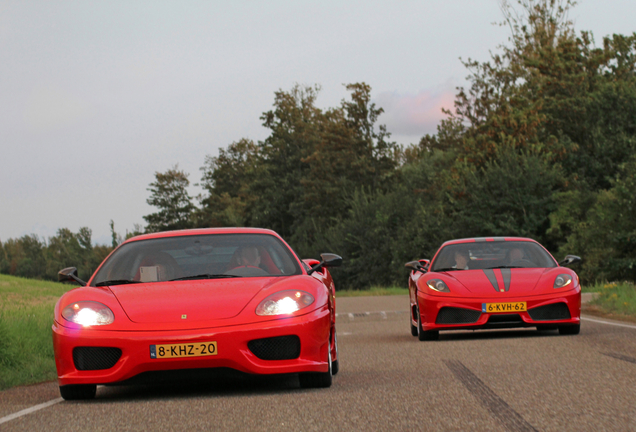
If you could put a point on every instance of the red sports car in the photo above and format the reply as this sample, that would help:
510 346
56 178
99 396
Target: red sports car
235 298
491 283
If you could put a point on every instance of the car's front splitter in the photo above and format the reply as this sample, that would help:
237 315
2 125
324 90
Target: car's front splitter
430 307
232 349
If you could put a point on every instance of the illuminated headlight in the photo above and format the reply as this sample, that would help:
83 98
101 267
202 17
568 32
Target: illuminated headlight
284 302
438 285
562 280
88 313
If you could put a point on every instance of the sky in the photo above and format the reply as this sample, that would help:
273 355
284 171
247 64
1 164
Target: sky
98 96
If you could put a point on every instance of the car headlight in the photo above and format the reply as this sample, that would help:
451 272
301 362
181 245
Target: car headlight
562 280
438 285
284 302
88 313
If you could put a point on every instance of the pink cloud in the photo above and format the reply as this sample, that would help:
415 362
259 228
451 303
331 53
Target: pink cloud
414 114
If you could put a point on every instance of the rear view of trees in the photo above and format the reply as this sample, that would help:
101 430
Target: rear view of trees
169 193
32 257
541 144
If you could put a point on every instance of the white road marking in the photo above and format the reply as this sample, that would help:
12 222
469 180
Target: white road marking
608 323
382 313
30 410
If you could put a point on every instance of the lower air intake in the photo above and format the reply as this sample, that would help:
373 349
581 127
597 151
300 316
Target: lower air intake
554 311
452 315
504 319
276 348
95 358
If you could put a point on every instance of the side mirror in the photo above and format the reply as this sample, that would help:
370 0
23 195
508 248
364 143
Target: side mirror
425 263
416 266
69 274
328 260
331 260
570 259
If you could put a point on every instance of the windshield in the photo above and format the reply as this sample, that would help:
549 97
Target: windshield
489 255
198 257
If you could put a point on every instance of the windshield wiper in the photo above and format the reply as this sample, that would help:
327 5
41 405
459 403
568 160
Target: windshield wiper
116 282
205 276
499 267
447 269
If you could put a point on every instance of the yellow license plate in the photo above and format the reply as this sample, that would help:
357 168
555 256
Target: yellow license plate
503 307
197 349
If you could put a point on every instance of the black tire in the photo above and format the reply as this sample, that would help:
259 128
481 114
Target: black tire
570 329
335 366
78 392
414 331
430 335
318 379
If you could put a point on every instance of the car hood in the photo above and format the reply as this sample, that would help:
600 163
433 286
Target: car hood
188 301
498 282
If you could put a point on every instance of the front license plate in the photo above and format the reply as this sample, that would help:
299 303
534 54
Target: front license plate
504 307
198 349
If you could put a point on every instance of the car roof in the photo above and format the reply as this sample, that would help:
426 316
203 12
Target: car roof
203 231
487 239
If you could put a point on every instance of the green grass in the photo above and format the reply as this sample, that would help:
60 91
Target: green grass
373 291
26 317
615 298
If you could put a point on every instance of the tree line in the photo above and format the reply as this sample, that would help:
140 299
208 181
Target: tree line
540 144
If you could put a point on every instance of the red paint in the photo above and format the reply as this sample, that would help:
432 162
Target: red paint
470 288
221 310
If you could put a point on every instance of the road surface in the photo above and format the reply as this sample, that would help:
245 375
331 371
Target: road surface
512 380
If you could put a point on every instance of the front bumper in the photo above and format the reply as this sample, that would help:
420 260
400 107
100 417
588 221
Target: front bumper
313 329
430 306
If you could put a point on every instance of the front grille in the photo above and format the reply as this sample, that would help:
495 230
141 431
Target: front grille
95 358
554 311
276 348
452 315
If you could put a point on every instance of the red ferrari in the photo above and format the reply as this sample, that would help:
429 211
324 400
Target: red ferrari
493 283
203 299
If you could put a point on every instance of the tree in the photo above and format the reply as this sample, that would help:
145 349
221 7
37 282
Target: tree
67 249
606 237
298 180
227 179
170 195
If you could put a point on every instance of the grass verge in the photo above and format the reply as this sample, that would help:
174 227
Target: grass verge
615 300
26 316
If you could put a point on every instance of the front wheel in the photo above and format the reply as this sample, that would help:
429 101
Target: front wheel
422 335
318 379
335 367
570 329
78 392
414 331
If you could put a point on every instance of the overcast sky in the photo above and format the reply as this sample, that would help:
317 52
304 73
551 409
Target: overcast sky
96 96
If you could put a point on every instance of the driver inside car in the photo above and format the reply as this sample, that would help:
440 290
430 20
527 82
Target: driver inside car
246 262
516 254
248 256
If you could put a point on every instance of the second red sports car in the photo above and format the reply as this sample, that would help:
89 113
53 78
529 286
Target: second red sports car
490 283
235 298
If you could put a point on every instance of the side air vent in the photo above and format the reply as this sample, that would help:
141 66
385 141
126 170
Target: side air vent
276 348
452 315
95 358
554 311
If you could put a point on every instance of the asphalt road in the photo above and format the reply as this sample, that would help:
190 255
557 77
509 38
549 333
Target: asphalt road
516 380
